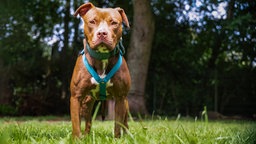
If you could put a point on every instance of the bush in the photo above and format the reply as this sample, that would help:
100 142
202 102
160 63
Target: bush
7 110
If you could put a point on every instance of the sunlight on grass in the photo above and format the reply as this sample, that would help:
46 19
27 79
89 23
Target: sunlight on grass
147 131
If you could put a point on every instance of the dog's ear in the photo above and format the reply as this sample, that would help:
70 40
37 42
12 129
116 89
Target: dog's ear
83 9
124 17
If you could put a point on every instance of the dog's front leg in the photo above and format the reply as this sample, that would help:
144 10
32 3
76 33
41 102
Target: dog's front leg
88 103
121 112
75 116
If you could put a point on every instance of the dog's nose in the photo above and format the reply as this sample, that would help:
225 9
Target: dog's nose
102 34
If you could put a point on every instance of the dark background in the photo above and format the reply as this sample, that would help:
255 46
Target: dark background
200 56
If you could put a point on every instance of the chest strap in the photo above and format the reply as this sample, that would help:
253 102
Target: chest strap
103 81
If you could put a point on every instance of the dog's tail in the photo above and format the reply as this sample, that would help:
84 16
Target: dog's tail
103 109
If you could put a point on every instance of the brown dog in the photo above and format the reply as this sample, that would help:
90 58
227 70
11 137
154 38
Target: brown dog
103 31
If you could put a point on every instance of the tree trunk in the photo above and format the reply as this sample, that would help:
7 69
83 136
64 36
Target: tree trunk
139 53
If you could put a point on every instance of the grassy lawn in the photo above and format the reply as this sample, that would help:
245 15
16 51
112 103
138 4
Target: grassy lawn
161 131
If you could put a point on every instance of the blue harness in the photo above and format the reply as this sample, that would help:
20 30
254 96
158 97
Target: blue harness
103 81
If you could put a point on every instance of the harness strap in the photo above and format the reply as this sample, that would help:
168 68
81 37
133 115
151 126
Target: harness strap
103 81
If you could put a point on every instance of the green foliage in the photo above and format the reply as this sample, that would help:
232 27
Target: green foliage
24 28
7 110
192 61
149 131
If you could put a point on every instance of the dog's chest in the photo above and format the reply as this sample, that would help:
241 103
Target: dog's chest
96 90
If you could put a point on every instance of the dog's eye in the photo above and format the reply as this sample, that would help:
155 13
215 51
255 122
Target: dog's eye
92 22
114 23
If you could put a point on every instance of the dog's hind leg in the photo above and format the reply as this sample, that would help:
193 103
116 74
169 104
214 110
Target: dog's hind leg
126 116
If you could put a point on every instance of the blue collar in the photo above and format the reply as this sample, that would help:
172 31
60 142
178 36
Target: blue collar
103 81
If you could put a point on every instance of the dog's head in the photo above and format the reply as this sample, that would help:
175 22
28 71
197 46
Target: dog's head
102 26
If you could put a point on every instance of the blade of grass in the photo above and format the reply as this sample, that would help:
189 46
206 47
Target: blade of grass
127 131
130 116
96 111
178 118
181 141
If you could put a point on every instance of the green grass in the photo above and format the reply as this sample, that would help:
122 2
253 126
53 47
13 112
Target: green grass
42 130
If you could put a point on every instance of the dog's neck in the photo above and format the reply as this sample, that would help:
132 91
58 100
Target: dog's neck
102 66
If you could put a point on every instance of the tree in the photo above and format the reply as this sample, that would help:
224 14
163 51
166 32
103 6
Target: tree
198 55
26 29
139 51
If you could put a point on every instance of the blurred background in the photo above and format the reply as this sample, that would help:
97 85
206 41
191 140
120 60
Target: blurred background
182 54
